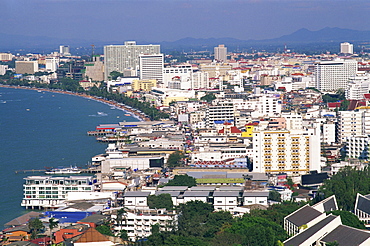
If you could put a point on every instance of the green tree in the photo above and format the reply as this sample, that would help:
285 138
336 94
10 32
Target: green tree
114 75
344 105
160 201
345 185
123 235
208 97
349 219
175 158
274 196
52 224
192 219
258 231
35 225
182 180
105 230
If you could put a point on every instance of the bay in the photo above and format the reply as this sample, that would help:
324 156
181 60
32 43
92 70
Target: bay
45 129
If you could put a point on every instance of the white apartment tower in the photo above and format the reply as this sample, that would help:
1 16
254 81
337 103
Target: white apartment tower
357 87
64 50
353 124
220 53
346 48
151 67
222 112
51 64
333 75
281 151
122 57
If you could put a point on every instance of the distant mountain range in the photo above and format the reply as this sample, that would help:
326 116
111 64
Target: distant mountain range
301 37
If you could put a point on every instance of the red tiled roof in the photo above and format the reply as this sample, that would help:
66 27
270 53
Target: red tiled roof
234 129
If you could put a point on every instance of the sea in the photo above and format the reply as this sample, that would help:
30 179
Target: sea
41 129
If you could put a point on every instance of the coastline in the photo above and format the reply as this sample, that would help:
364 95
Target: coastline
112 103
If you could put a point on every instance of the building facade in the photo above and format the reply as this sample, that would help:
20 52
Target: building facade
334 75
122 57
47 191
151 67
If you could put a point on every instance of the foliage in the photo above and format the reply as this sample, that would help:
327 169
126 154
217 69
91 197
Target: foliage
193 217
123 235
182 180
346 184
208 97
35 225
258 231
344 105
274 196
175 158
121 213
349 219
338 96
52 225
114 75
160 201
276 212
335 243
105 230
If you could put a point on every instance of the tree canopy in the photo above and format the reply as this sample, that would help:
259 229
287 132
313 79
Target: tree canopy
346 184
175 158
160 201
349 219
208 97
182 180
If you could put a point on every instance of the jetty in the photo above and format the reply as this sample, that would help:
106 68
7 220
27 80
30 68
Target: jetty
86 170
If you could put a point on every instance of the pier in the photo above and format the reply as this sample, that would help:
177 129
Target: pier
87 170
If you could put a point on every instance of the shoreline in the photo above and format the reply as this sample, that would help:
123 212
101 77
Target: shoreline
115 104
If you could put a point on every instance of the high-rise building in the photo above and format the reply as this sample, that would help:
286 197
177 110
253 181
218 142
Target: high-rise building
122 57
51 64
26 67
151 67
220 53
334 75
64 50
281 151
346 48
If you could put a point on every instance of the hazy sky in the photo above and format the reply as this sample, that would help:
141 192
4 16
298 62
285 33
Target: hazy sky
169 20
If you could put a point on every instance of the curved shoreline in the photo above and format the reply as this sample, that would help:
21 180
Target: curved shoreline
112 103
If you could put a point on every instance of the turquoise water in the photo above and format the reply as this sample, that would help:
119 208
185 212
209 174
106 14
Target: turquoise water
45 129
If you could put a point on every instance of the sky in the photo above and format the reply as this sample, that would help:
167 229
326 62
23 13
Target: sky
170 20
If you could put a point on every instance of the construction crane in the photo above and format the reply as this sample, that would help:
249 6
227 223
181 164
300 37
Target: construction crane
92 52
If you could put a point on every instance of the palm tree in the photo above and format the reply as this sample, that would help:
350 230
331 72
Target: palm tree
52 225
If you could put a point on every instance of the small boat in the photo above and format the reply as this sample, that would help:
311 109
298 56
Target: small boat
127 114
102 114
64 170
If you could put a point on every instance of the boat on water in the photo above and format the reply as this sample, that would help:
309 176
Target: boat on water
64 170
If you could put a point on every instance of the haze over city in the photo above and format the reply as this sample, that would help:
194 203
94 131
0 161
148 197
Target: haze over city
165 20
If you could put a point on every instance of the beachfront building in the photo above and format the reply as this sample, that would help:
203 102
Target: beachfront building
47 191
122 57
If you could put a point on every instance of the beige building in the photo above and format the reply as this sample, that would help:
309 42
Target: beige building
215 70
95 70
6 57
143 85
29 67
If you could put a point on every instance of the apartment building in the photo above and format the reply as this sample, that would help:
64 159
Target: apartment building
282 151
47 191
223 112
138 222
151 67
353 124
333 75
122 57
